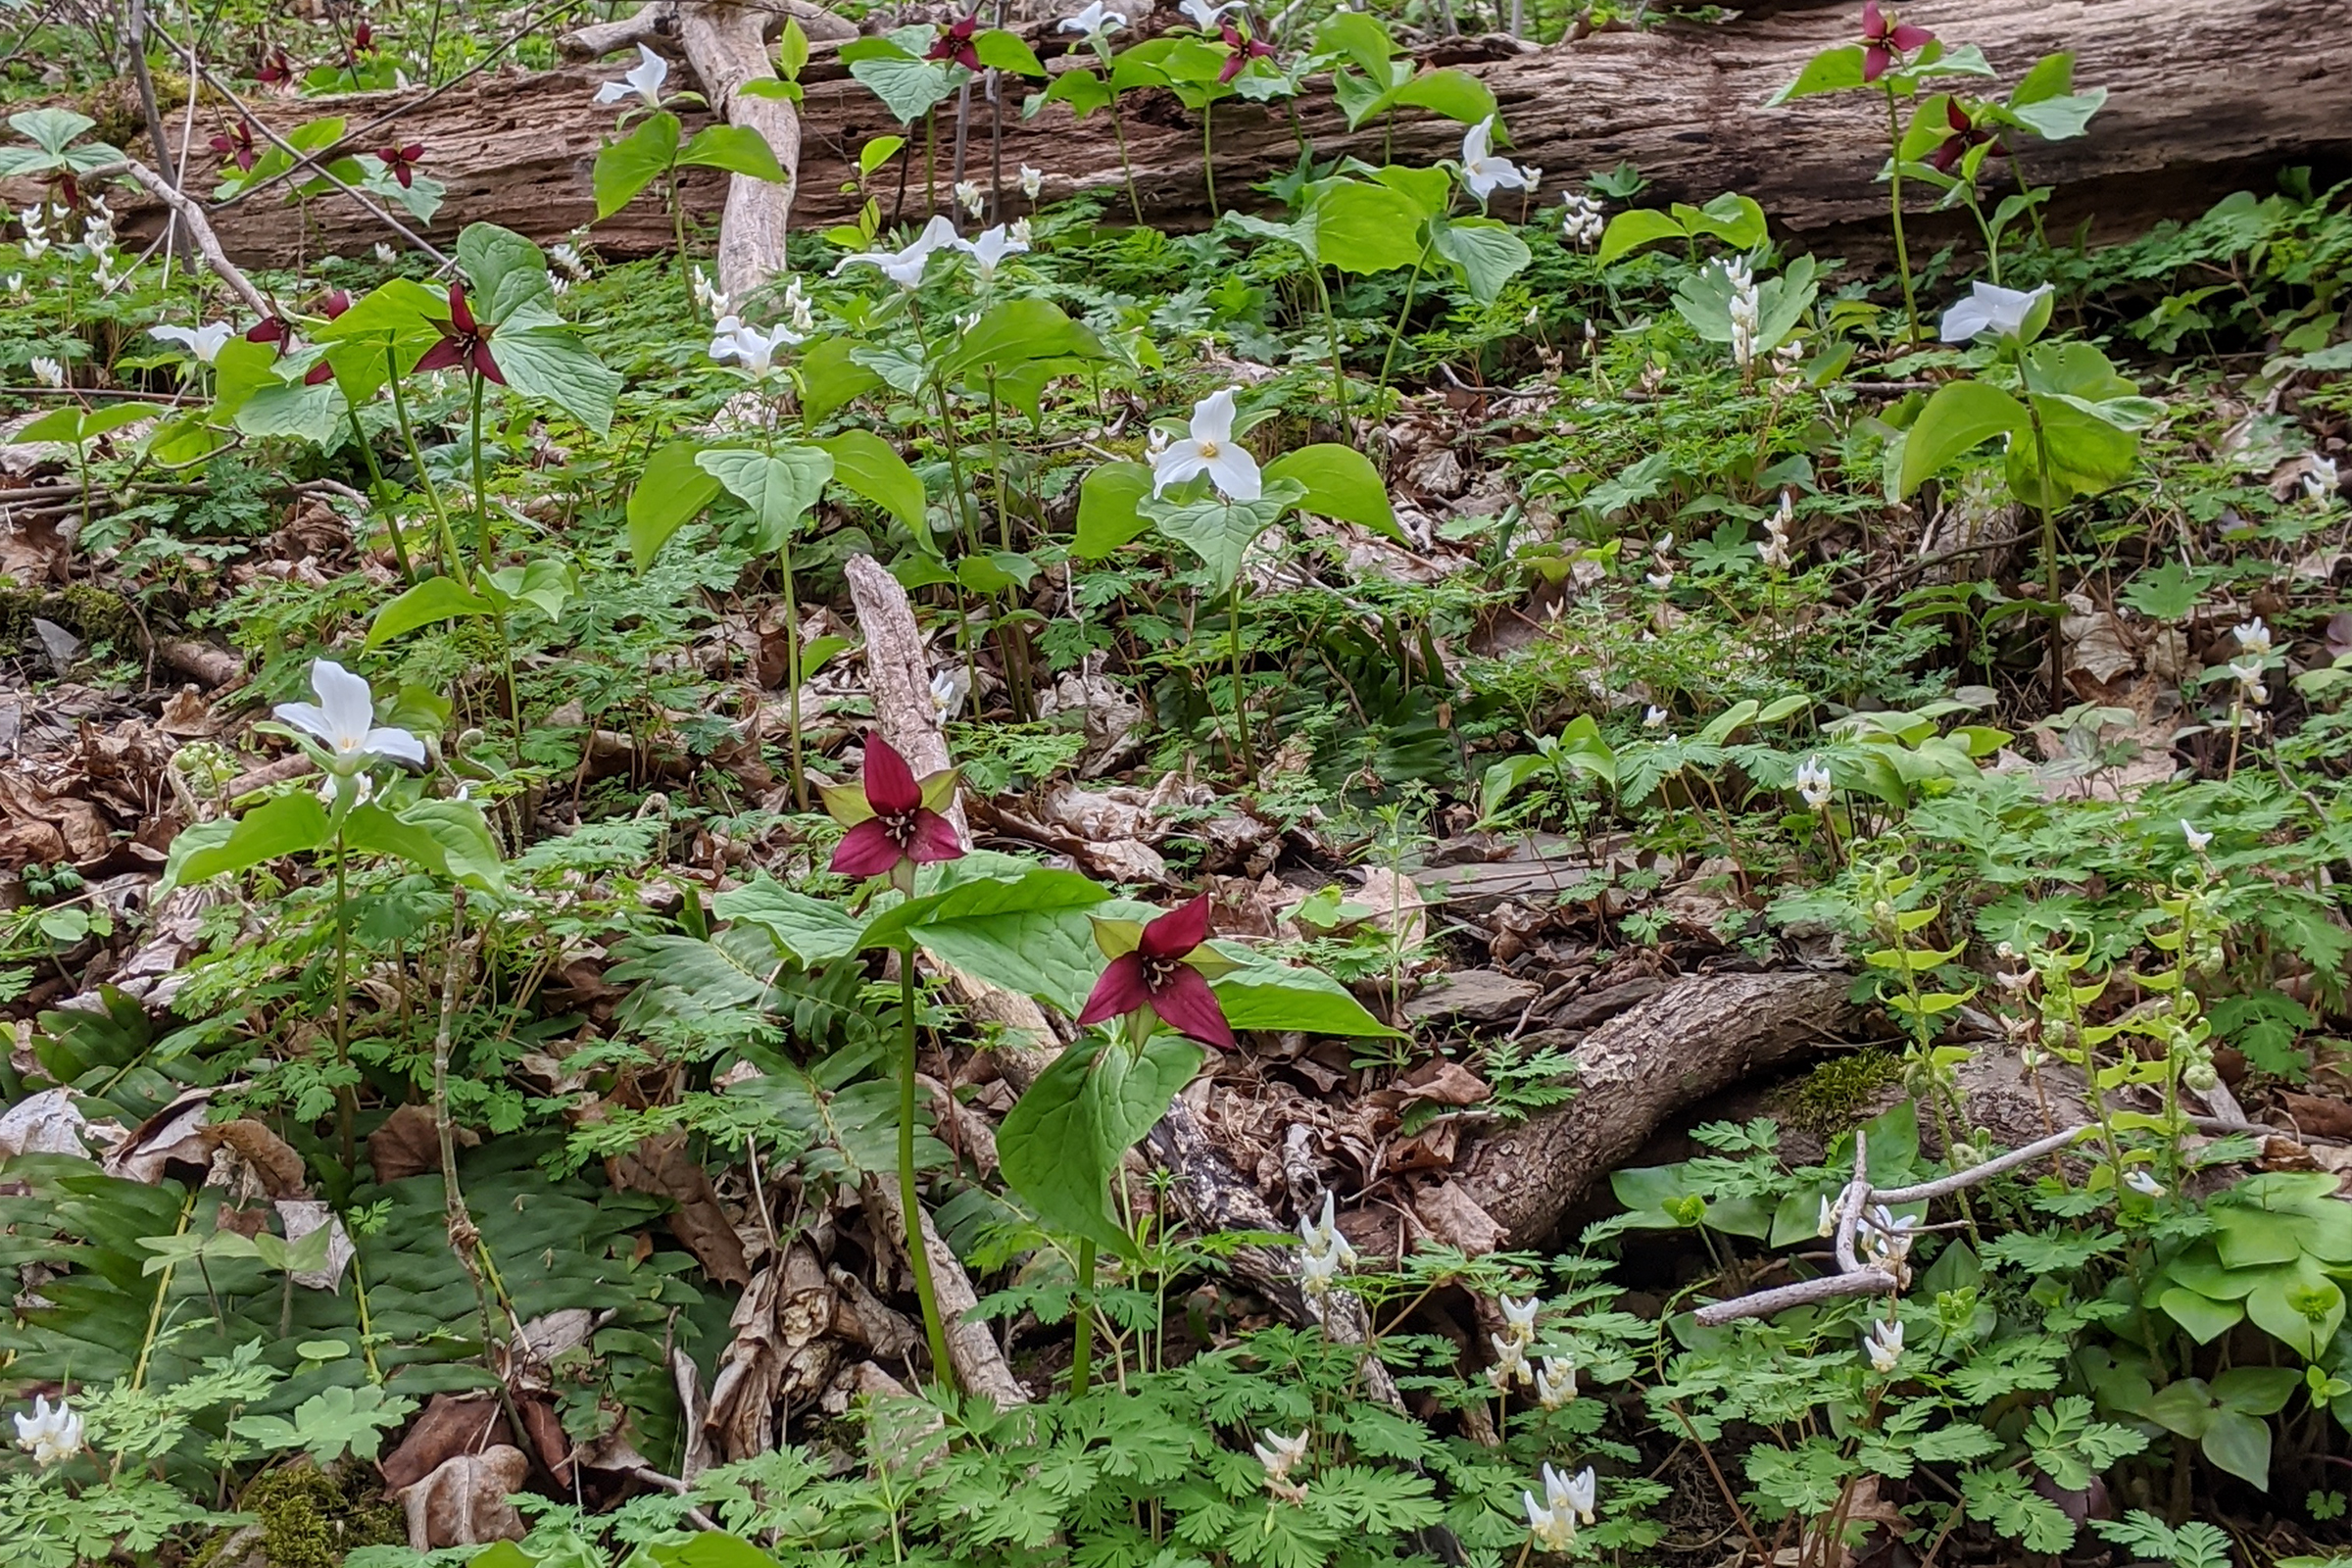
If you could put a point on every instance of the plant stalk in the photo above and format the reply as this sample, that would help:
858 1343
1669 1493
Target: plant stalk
919 1254
1081 1312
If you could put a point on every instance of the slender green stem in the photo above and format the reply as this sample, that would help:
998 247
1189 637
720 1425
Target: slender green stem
1404 312
447 547
346 1103
1081 1312
1118 131
1208 158
375 482
1330 333
1241 701
919 1255
1895 205
2049 546
791 672
677 226
481 481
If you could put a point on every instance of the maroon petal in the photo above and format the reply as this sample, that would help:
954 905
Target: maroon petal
1177 932
1875 61
1231 69
1947 154
1873 23
269 329
1955 117
890 786
442 356
335 303
867 850
320 372
247 158
484 365
461 314
1907 38
1186 1006
400 172
1120 992
934 839
224 146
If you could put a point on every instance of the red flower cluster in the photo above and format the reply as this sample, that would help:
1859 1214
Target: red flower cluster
276 69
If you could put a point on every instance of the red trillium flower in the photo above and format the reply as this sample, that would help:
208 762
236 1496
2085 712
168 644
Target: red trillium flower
894 819
401 162
1161 968
275 329
275 68
465 342
362 38
237 146
956 44
1244 50
1966 133
1882 38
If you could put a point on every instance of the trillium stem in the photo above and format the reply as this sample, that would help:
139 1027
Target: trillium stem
375 482
1208 155
918 1253
1118 131
791 671
1403 311
1082 1312
1894 206
447 547
482 480
1330 333
1241 701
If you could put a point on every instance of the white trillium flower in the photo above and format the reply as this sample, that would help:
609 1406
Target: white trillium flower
48 371
343 720
1279 1453
1989 308
2253 637
1200 14
905 268
645 81
2147 1185
49 1436
1483 173
1210 447
1813 782
204 341
989 251
2196 840
751 348
1033 180
1885 1345
1555 1382
1095 21
971 197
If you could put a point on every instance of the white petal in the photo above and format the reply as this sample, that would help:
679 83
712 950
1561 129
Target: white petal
1212 417
1177 466
345 700
1964 321
1234 471
394 745
308 718
611 92
1475 144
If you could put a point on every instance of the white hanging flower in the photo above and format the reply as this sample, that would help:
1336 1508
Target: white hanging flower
1813 782
2321 479
1555 1382
2140 1182
2253 637
1483 173
1095 22
1210 447
566 255
905 268
1581 222
1318 1273
385 252
1572 1495
1279 1453
989 251
645 81
1321 1238
749 347
1654 717
1204 15
1747 314
949 688
2249 681
2196 840
1773 550
1510 1364
49 1436
35 242
1989 308
1829 1216
48 371
363 789
343 720
1660 579
1033 181
1020 232
204 341
707 296
1519 1317
797 308
971 197
1553 1530
1885 1345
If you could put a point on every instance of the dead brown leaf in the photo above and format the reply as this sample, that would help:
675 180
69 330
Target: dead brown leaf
463 1502
665 1167
408 1145
452 1424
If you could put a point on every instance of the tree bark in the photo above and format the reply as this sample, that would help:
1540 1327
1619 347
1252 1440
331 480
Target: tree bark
1696 1038
2206 96
725 45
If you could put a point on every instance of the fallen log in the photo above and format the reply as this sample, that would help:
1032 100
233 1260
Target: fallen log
1699 1036
2202 100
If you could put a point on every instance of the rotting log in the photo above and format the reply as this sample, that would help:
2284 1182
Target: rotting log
2205 96
1634 1072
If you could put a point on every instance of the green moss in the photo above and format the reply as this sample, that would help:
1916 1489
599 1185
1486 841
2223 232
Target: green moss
1836 1095
91 612
309 1519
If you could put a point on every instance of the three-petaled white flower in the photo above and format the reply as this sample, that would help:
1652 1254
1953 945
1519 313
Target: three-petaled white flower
645 81
1279 1453
201 341
49 1436
905 267
1989 308
2147 1185
1033 180
1555 1382
1204 15
749 347
1208 447
2196 840
1483 173
1095 21
1885 1345
343 721
989 251
1813 782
